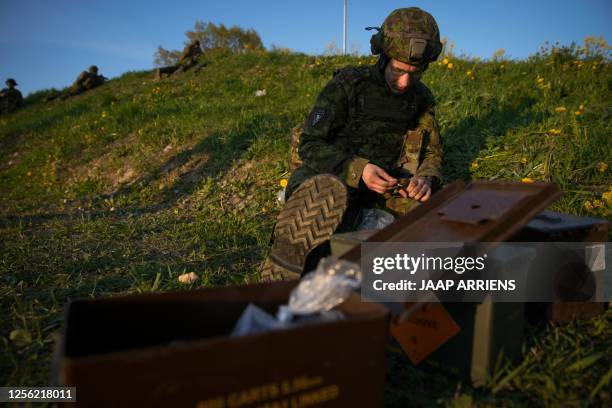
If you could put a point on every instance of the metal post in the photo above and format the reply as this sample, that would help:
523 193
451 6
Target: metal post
344 31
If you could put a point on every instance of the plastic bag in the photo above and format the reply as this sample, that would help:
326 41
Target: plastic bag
319 291
310 302
375 219
255 320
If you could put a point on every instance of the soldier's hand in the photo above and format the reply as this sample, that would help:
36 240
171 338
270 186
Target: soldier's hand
376 179
419 189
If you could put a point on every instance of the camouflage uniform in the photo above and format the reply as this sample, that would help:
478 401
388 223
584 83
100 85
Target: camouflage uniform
88 80
187 60
358 119
85 81
10 98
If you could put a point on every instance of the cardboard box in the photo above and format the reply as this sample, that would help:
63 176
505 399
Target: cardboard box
174 350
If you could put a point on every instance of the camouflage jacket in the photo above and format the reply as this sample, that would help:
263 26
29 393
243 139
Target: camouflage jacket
357 120
87 80
190 54
10 100
80 81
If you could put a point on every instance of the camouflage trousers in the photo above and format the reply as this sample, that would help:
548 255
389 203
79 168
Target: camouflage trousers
72 91
178 68
359 199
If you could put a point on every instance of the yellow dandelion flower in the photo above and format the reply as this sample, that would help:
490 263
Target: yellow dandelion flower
283 183
468 73
475 165
560 109
602 167
588 206
607 197
524 160
554 132
527 180
450 65
445 61
578 113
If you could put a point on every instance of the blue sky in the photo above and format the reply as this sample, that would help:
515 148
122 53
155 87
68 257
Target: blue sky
46 43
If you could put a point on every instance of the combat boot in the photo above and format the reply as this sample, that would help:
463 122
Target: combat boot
309 218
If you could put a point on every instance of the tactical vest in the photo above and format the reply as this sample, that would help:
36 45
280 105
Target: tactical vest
383 128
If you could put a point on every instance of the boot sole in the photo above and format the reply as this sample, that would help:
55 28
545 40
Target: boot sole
309 218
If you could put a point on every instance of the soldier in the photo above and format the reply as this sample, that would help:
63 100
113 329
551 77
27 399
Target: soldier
187 60
89 80
85 81
10 98
371 140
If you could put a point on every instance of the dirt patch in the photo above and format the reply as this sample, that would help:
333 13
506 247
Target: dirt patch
126 176
240 171
189 172
117 167
100 167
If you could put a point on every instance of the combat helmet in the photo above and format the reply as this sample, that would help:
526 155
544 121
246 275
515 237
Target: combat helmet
410 35
93 69
10 82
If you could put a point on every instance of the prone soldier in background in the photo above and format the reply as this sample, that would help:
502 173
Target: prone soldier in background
10 97
370 141
187 60
85 81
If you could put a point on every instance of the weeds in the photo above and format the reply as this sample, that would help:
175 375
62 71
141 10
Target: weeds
124 188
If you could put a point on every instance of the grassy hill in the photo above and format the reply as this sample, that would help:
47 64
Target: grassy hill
122 189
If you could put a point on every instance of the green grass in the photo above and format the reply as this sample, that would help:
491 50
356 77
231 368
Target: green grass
122 189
